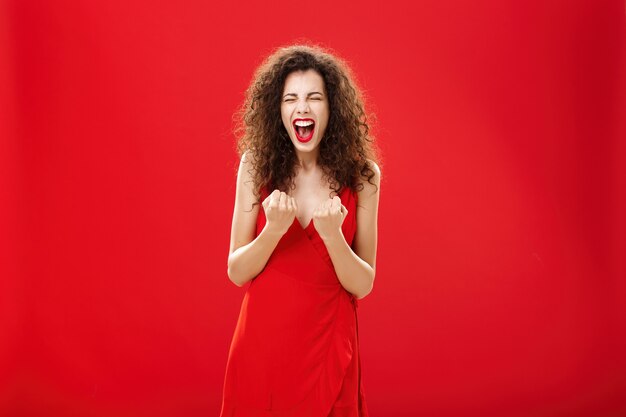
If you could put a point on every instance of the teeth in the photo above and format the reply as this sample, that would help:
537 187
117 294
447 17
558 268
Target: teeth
303 123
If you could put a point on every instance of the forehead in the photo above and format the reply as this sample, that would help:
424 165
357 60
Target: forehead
303 81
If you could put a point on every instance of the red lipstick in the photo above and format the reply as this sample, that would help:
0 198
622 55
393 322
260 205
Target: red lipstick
304 129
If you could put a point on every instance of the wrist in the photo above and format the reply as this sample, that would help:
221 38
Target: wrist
334 237
271 231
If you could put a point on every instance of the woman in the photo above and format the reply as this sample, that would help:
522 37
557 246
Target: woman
308 255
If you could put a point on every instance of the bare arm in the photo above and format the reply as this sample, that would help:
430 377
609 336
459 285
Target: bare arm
246 262
356 269
247 255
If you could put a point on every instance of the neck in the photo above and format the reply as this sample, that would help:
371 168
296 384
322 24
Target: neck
307 161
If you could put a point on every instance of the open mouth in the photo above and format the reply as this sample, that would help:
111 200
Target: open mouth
304 129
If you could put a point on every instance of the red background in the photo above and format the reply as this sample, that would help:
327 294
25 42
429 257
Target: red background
500 277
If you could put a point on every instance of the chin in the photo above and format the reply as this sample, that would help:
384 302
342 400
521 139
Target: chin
306 146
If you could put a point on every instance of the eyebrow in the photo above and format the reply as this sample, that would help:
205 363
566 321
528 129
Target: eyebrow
310 94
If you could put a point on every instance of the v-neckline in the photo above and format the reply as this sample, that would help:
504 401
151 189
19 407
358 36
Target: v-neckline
295 219
308 226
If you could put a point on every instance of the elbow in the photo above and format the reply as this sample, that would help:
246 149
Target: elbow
232 275
238 272
367 290
233 279
364 294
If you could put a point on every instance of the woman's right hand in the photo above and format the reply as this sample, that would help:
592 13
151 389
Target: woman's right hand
280 211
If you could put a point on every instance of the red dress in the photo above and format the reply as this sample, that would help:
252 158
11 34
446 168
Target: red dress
295 350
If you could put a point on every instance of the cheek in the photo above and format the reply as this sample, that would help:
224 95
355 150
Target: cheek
324 116
286 111
320 110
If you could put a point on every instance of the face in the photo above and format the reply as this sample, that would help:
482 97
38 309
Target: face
304 109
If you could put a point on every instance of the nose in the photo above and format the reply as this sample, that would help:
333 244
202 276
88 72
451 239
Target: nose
303 106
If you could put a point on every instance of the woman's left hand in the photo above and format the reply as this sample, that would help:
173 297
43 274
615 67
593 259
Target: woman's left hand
328 217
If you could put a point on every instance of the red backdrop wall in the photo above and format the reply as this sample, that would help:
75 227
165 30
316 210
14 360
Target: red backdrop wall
500 277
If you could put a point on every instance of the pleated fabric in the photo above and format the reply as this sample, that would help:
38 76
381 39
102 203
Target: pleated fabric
295 348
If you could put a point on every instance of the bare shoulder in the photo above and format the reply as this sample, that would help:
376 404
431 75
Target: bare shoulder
245 212
366 237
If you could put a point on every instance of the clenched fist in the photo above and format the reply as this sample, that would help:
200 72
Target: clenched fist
280 211
328 217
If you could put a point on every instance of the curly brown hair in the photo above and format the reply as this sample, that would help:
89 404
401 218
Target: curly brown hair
347 145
